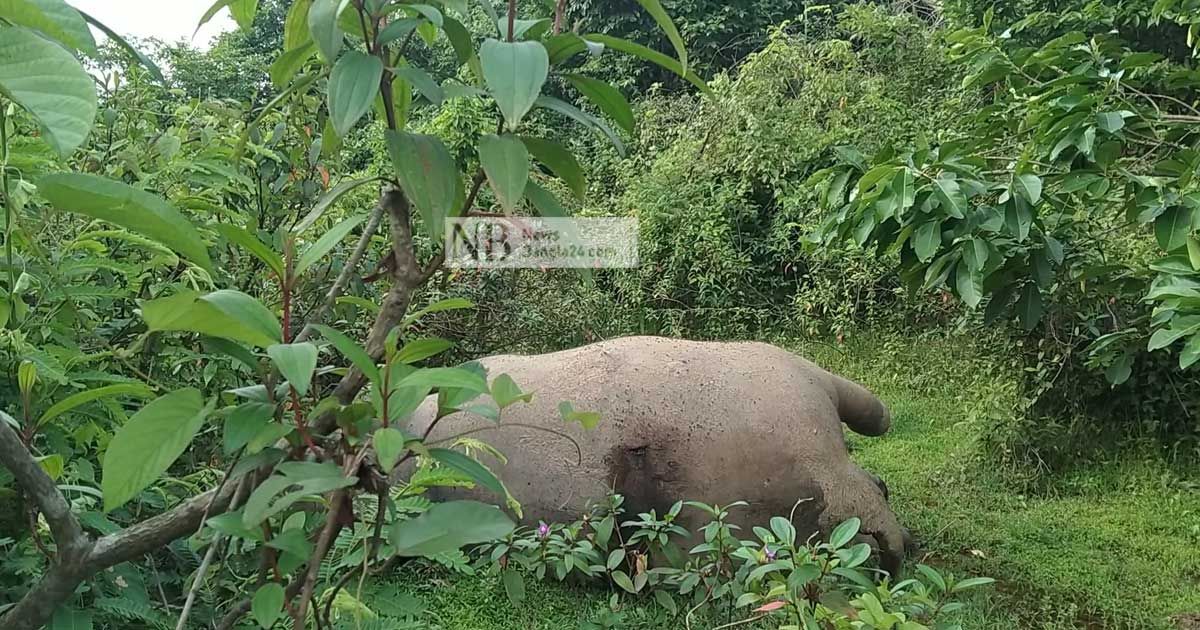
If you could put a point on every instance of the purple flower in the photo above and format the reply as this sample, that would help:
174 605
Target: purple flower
770 556
543 529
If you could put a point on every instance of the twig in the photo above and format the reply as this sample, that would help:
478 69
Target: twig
343 279
742 622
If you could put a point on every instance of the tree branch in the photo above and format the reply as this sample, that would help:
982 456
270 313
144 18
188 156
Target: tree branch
72 542
343 279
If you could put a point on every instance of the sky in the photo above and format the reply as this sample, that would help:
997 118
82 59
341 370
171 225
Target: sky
168 20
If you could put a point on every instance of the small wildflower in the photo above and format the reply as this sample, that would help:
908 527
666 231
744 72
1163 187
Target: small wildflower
770 556
543 529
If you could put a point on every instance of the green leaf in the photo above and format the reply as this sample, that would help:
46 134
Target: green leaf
656 10
585 118
226 314
112 35
328 199
246 421
622 580
1029 307
128 207
950 197
428 175
560 161
969 284
267 604
318 250
1111 122
295 26
606 97
146 446
353 85
67 618
975 253
1017 218
445 378
88 395
285 67
1193 249
1190 353
506 392
48 82
1028 187
469 467
505 160
514 585
653 56
323 25
422 349
296 363
515 73
927 240
250 243
587 419
351 350
389 446
309 478
971 583
243 12
844 533
451 304
424 83
1173 227
54 18
449 526
1180 327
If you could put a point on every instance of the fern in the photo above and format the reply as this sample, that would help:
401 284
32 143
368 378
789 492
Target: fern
128 609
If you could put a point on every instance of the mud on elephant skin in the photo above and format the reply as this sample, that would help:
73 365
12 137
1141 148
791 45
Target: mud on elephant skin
706 421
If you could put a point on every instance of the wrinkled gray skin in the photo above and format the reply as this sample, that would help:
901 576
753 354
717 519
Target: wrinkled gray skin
713 422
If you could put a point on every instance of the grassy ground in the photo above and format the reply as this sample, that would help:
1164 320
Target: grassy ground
1113 544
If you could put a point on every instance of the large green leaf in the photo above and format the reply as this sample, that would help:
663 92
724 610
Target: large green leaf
450 526
588 120
250 243
276 494
49 83
244 422
267 604
1029 307
55 18
351 350
149 443
389 446
656 10
243 12
116 38
653 56
328 199
315 252
606 97
1029 187
560 161
296 363
323 25
353 85
285 67
88 395
226 314
428 175
505 160
425 84
421 349
458 378
969 284
469 467
927 240
295 25
1173 227
133 209
515 73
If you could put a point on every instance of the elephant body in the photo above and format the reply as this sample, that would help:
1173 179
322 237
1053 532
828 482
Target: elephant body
705 421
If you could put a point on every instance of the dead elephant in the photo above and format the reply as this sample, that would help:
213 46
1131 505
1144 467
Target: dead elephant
713 422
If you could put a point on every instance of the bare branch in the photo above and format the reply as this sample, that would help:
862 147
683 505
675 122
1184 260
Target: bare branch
343 279
72 542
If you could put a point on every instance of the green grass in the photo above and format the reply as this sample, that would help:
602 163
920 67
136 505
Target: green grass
1111 544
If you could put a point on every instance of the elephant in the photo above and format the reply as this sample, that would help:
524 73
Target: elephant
716 422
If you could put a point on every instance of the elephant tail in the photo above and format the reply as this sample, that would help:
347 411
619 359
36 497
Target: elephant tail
861 410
